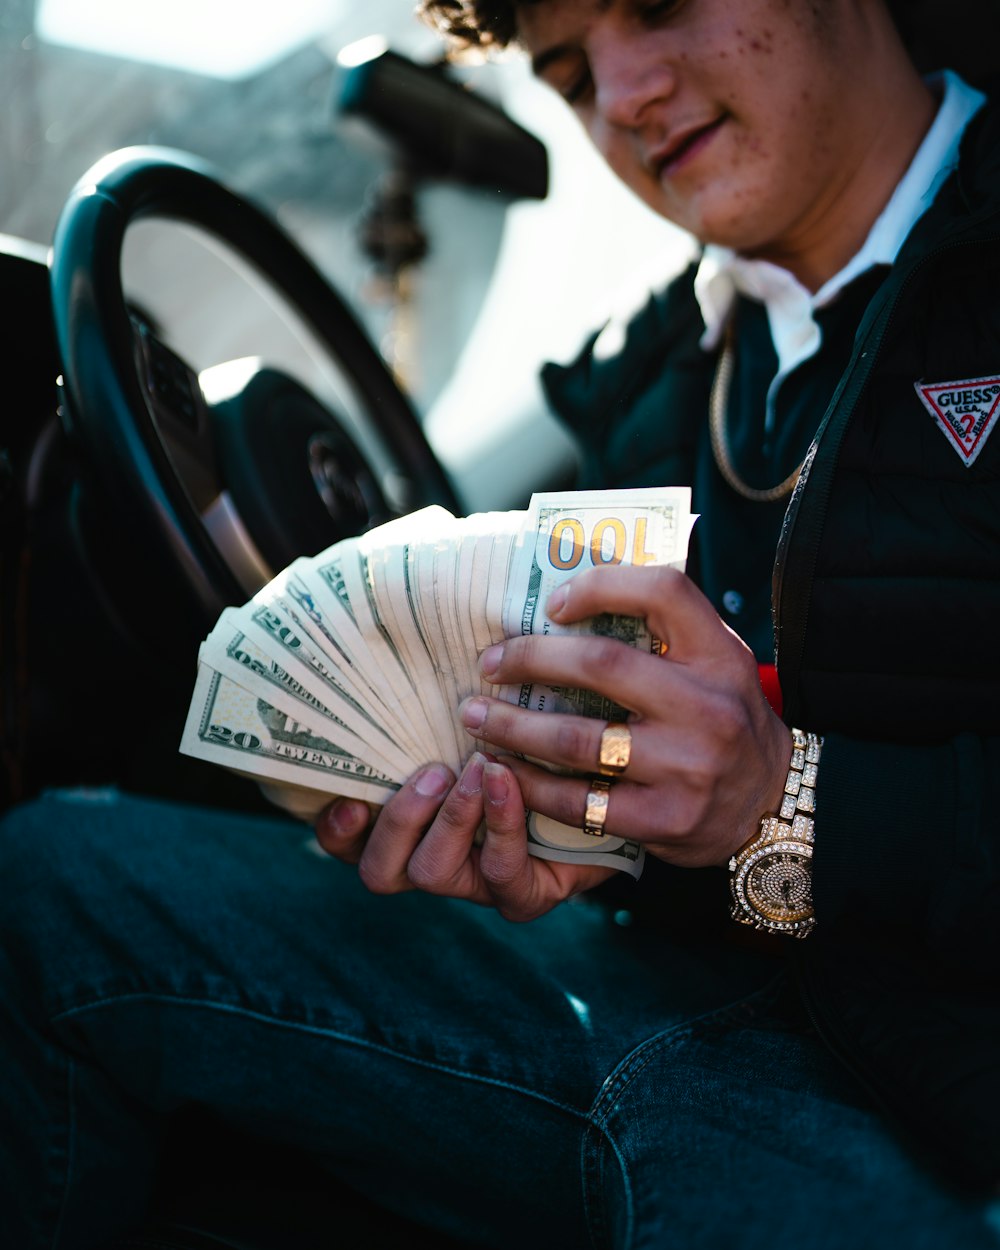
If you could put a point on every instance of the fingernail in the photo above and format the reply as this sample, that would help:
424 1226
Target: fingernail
433 782
557 601
471 780
347 816
473 713
495 783
489 661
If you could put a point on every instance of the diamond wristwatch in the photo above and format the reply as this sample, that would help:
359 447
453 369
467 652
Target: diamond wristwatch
770 877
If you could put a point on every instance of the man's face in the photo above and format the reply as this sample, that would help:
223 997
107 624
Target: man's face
731 118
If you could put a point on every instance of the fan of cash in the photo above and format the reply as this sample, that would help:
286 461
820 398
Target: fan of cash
344 674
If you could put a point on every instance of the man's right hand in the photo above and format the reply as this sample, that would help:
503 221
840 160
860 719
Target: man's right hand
424 838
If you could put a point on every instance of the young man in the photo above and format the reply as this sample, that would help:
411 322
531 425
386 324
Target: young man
824 378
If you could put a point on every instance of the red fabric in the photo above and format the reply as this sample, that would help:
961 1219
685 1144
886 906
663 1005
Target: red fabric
771 686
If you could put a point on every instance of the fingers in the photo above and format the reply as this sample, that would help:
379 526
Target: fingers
424 838
500 874
704 655
646 685
565 800
422 842
603 665
674 609
566 741
443 861
504 862
342 829
663 820
520 886
403 823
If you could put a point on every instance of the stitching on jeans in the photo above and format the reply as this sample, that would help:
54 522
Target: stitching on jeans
615 1085
593 1218
643 1054
597 1223
349 1039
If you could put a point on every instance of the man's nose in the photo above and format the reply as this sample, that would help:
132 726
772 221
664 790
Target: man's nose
629 78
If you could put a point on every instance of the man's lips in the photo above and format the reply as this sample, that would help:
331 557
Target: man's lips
683 146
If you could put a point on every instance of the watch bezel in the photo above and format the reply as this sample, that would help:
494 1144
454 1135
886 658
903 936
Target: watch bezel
769 842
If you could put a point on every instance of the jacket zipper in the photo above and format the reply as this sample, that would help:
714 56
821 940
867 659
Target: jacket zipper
790 635
799 597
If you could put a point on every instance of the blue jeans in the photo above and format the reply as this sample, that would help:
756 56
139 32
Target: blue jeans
568 1083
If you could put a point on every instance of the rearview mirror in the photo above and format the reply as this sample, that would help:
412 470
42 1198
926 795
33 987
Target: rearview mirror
441 128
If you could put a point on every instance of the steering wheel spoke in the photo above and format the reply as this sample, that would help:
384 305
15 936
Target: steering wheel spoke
285 466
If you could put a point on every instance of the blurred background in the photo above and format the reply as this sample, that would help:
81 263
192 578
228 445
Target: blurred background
256 88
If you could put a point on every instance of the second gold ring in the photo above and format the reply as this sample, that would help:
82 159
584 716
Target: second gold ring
597 807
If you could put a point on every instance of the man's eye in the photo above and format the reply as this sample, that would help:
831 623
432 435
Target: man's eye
576 89
659 9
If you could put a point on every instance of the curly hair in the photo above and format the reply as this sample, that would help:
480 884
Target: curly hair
484 25
489 25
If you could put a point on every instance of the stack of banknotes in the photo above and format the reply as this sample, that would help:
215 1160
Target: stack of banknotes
344 674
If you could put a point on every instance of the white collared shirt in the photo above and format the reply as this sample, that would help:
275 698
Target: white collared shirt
790 306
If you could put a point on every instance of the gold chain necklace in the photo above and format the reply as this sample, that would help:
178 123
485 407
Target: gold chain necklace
717 407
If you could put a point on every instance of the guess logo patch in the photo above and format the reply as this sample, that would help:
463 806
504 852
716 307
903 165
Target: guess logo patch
966 411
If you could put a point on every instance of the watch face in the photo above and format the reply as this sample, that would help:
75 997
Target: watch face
778 886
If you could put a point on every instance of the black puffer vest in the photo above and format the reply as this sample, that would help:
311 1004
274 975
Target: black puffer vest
886 600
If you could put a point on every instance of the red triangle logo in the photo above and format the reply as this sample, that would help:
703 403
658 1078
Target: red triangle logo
966 411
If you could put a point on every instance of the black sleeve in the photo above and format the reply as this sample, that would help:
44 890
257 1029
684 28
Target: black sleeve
635 396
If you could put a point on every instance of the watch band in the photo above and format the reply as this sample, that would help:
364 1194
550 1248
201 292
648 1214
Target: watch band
771 875
803 769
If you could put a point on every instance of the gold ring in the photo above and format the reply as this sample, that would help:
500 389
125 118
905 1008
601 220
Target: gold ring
616 749
597 807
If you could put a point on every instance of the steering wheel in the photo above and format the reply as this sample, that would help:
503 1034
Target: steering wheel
158 450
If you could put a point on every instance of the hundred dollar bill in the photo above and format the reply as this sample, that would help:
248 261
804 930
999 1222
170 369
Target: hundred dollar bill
550 839
571 531
564 534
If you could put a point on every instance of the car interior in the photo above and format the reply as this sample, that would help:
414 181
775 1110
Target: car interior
239 299
254 308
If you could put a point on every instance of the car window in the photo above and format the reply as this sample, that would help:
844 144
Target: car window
251 87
